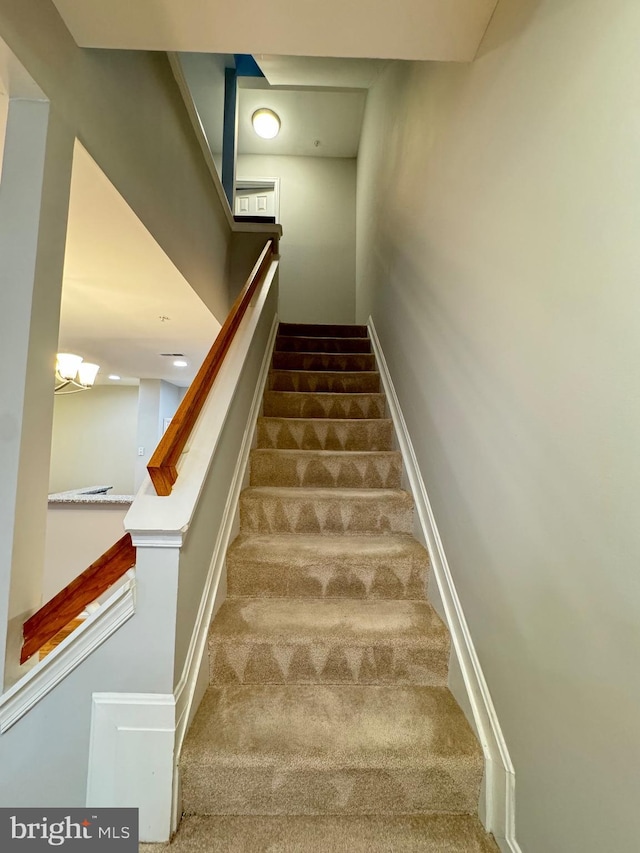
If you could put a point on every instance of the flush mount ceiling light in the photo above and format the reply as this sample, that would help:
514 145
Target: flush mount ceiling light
179 362
266 123
71 370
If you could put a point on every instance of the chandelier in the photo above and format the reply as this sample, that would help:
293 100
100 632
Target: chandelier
73 374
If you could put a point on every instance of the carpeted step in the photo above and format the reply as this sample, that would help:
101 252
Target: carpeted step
326 468
322 330
323 361
325 434
327 641
338 382
300 404
357 567
435 833
330 749
287 343
265 509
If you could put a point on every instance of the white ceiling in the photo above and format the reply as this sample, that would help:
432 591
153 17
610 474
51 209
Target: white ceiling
118 283
331 119
322 71
404 29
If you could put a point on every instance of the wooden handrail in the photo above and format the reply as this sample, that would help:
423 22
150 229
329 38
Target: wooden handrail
71 601
162 466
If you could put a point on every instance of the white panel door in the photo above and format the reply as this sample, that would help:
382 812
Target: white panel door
255 201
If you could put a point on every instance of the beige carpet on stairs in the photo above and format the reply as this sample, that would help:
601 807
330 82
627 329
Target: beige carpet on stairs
328 725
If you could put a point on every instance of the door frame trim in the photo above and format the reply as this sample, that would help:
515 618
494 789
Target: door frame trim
245 182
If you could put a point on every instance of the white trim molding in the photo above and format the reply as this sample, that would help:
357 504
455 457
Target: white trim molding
197 653
158 540
96 628
266 183
131 757
499 793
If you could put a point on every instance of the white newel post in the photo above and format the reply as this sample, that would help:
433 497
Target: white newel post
131 757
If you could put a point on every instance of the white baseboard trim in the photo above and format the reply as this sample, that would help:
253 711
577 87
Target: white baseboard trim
187 686
499 805
95 629
131 757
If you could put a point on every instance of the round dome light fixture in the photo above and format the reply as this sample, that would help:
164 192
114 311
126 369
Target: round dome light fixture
266 123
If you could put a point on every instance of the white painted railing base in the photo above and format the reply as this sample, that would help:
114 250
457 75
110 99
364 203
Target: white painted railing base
498 812
195 674
136 739
131 757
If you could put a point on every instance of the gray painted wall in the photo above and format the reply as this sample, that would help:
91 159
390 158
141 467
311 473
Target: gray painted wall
317 213
126 110
498 253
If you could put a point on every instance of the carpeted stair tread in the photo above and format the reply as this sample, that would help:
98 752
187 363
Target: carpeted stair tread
305 404
322 330
324 726
300 621
323 361
326 468
435 833
330 749
325 434
334 382
268 509
328 724
355 567
289 343
327 641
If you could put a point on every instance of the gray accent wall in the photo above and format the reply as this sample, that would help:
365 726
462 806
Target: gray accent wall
498 253
318 217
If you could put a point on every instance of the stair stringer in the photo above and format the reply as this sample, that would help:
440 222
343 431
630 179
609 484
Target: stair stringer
195 675
497 804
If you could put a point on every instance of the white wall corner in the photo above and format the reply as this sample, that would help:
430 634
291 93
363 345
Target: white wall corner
131 757
195 675
497 810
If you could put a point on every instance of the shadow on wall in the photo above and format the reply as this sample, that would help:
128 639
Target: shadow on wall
521 14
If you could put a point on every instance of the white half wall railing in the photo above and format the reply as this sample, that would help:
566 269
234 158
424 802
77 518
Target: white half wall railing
100 721
185 535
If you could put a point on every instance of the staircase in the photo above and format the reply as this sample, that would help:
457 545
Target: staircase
328 725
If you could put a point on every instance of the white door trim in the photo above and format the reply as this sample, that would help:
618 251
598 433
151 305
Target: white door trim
267 183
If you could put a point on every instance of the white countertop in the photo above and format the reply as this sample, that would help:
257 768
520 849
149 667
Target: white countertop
89 495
